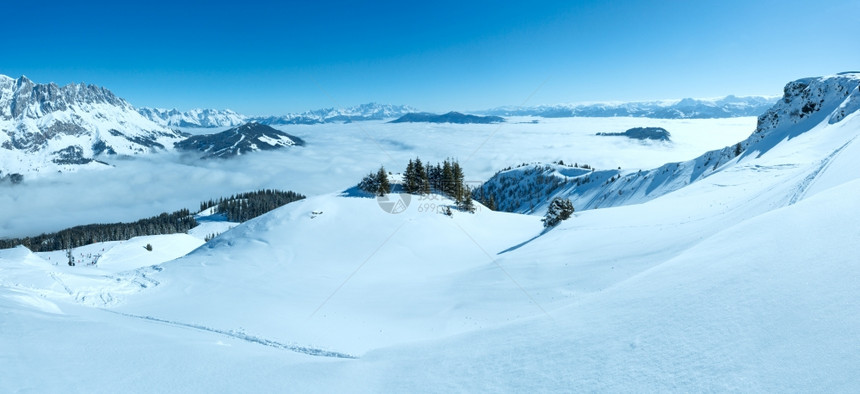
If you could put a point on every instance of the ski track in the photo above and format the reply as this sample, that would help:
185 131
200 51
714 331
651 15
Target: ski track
804 185
244 337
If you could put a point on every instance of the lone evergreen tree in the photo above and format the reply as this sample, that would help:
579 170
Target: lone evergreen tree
559 209
70 256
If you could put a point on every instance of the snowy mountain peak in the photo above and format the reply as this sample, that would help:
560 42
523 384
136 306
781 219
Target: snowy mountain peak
23 98
806 103
193 118
49 127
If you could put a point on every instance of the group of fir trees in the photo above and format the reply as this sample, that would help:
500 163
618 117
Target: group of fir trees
165 223
236 208
246 206
416 179
446 178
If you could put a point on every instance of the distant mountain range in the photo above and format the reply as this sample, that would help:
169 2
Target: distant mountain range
688 108
49 128
229 118
726 107
370 111
450 117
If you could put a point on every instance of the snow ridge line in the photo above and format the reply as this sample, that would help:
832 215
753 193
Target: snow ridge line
245 337
810 179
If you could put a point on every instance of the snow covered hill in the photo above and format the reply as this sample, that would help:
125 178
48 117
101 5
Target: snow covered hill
808 105
240 140
47 128
642 133
193 118
688 108
741 280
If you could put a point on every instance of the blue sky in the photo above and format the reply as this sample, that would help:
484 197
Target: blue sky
262 58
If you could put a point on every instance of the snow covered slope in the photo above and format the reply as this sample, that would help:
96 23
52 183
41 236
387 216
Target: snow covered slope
744 280
50 128
809 106
193 118
103 272
767 305
299 256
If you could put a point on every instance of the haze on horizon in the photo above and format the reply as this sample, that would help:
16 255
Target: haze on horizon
264 59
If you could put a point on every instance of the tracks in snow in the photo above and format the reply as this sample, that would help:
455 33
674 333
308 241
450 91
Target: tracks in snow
244 337
804 185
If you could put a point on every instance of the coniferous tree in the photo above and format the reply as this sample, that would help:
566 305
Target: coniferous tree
416 178
434 176
410 183
384 186
465 202
559 209
425 185
370 183
70 256
421 181
459 189
447 182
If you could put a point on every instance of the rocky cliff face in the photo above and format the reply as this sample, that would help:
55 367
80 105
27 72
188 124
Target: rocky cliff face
48 127
805 103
